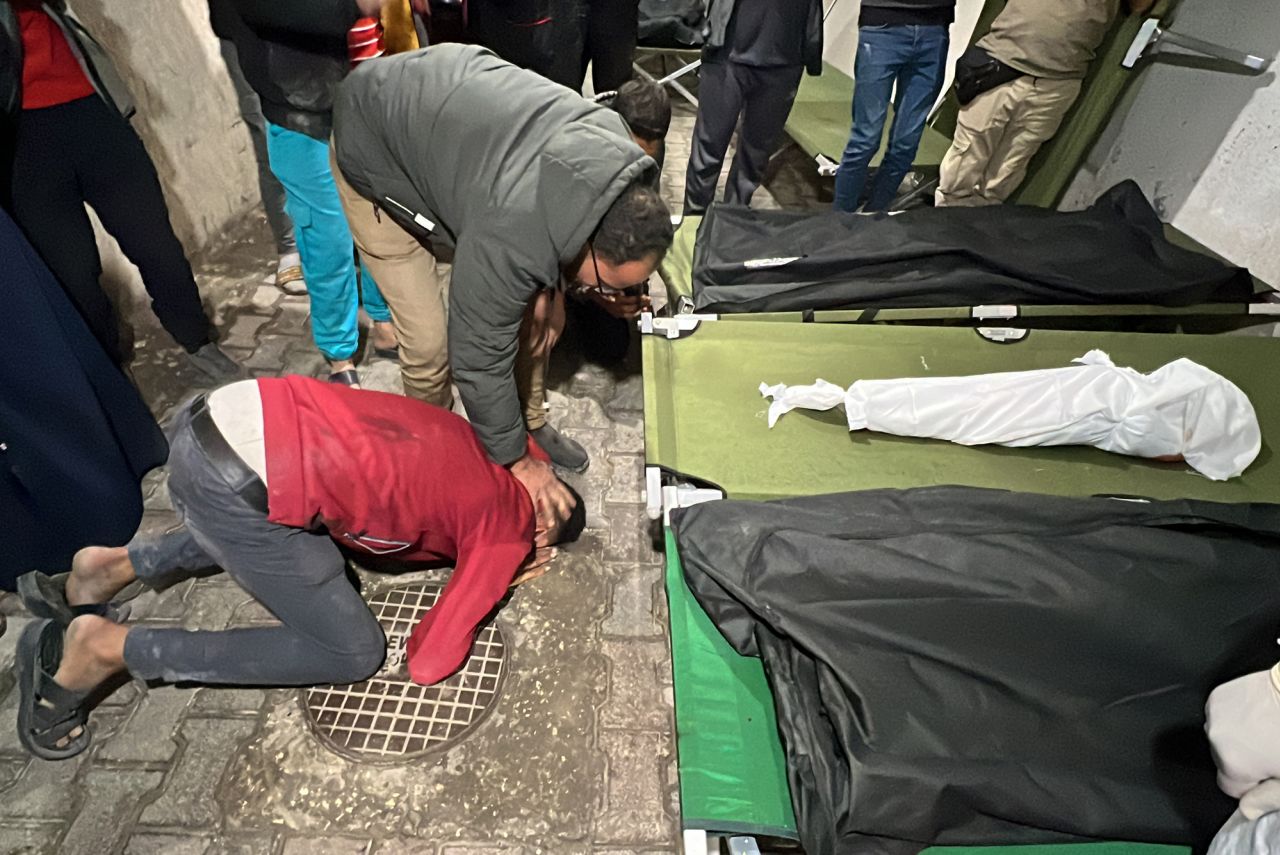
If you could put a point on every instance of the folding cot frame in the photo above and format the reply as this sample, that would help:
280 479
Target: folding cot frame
705 437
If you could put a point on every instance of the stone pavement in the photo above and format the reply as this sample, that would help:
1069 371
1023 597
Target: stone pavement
577 756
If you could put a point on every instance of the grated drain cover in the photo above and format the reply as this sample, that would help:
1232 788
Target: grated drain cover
389 717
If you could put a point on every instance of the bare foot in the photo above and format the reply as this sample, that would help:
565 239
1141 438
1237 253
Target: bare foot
97 574
92 652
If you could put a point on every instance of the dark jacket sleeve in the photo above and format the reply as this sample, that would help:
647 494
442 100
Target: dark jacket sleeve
305 17
485 310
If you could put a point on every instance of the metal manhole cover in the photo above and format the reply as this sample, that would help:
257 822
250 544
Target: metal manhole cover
389 717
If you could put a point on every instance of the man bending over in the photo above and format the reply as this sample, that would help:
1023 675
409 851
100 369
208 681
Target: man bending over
525 183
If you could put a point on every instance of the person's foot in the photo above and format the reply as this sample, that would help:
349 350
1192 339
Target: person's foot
383 339
289 274
92 652
564 452
215 365
343 372
98 573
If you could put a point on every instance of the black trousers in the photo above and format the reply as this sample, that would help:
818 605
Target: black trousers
84 151
544 36
727 90
609 32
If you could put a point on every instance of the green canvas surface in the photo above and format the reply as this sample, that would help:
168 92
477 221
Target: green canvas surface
705 418
822 115
733 777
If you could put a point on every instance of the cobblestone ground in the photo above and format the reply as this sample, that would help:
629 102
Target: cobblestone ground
577 755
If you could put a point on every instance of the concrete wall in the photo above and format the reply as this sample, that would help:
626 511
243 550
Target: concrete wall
1203 140
189 120
187 113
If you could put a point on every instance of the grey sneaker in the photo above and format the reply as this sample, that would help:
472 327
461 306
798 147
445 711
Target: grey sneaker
564 452
216 365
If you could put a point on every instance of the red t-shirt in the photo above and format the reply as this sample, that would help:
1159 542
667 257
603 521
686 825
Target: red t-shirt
393 476
51 74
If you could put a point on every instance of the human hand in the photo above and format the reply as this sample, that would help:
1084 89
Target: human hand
552 501
626 307
537 564
370 8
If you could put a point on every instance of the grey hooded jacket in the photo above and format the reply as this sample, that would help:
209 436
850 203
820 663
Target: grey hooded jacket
513 172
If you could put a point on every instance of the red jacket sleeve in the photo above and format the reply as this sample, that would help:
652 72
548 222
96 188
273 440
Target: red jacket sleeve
488 559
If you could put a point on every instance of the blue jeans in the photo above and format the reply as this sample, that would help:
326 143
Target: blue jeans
324 242
914 57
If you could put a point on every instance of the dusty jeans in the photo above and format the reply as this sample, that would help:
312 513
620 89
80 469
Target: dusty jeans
327 633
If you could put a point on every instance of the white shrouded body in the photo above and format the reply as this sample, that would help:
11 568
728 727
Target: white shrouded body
1181 409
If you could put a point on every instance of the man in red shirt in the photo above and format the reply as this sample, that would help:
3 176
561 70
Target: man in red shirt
270 477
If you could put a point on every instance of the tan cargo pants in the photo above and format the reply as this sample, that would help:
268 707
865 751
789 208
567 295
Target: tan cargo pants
996 136
416 291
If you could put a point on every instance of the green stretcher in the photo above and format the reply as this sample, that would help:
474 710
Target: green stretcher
823 112
676 272
705 432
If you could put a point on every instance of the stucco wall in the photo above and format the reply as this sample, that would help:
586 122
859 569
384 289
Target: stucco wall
1203 139
187 113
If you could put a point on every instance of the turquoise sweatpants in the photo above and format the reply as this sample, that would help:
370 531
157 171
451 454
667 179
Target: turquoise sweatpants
324 242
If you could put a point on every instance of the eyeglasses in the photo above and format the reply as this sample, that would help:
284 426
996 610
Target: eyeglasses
605 288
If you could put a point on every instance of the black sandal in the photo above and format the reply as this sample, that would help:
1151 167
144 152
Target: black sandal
46 597
349 377
387 352
48 713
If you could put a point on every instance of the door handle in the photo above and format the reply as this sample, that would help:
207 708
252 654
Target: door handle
1151 36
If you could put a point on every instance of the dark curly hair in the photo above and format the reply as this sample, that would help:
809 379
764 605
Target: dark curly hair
636 227
571 529
645 107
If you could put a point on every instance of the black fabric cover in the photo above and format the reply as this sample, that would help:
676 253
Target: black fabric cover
967 667
672 23
1114 252
75 437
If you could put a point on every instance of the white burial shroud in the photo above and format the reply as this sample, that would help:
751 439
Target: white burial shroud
1179 410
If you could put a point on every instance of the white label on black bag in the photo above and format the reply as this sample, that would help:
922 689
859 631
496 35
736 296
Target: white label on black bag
761 263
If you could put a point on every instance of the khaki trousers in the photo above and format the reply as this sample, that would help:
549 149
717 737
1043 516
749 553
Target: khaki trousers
417 292
996 136
531 369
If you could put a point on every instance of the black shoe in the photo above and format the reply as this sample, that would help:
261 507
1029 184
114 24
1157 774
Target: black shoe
215 365
564 452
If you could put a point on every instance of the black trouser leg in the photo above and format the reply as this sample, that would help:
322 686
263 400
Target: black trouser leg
604 339
612 28
49 206
541 35
720 100
770 92
120 182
